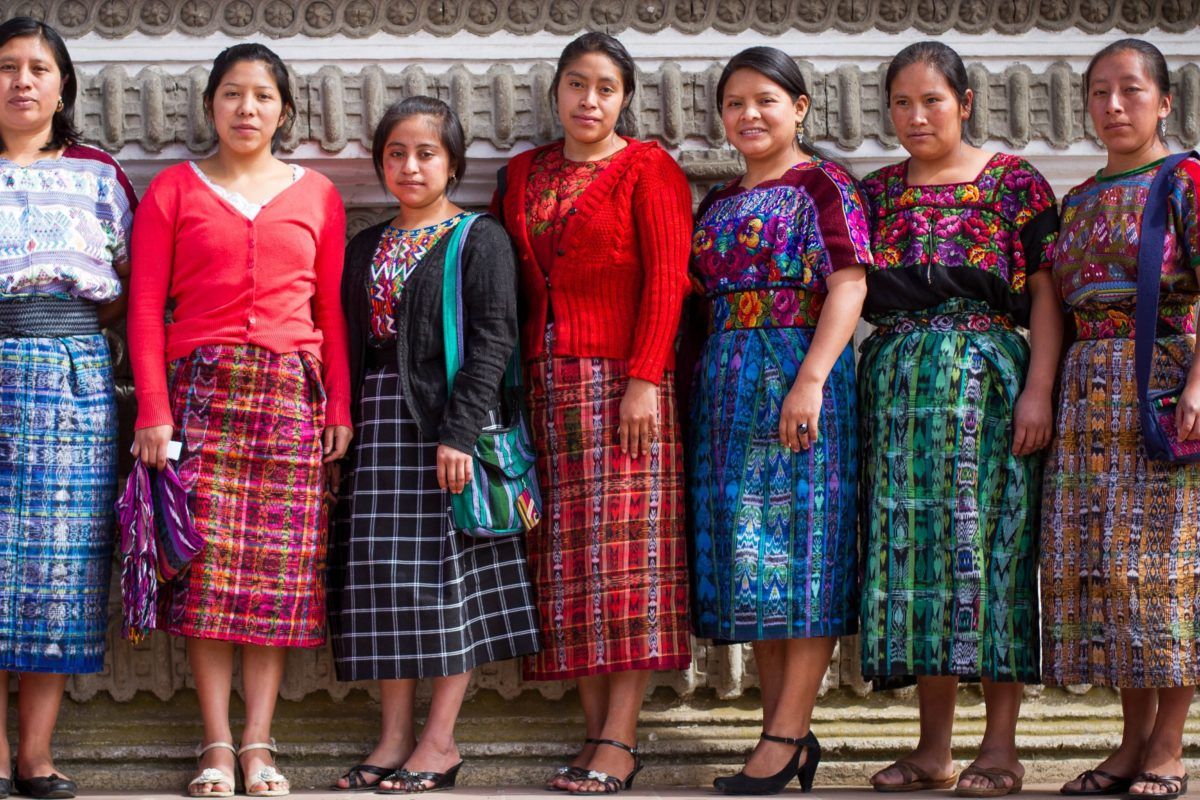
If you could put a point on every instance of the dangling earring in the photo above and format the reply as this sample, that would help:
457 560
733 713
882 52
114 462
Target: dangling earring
1162 129
59 107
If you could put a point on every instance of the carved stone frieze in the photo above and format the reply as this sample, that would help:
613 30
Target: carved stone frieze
152 108
158 665
117 18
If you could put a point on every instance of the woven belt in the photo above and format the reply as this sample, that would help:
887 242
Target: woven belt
45 317
1174 319
973 321
765 308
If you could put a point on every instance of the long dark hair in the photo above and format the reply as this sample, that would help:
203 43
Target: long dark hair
937 55
253 51
62 125
1152 59
450 133
605 45
777 67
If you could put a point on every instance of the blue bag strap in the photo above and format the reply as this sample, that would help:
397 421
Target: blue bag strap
452 311
1151 245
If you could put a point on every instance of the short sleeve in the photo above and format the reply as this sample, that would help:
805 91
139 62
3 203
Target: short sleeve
1029 202
1184 206
844 231
123 203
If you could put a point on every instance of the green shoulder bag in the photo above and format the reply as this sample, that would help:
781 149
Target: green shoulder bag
502 497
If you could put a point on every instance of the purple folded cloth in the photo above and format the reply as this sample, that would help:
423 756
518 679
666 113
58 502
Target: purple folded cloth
158 541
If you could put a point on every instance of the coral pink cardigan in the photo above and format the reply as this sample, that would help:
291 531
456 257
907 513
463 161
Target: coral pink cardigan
273 281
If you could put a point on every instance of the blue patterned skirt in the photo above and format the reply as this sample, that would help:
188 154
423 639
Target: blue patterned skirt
774 531
58 463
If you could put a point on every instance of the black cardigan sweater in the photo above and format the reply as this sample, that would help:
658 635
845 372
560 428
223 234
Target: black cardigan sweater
489 297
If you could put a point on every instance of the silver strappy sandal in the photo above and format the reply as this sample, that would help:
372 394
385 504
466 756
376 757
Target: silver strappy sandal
266 775
211 775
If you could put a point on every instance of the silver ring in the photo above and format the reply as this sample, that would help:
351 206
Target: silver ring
803 427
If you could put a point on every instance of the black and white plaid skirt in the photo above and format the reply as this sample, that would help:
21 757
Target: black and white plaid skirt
409 597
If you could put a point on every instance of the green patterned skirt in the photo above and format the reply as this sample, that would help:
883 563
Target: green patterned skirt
948 512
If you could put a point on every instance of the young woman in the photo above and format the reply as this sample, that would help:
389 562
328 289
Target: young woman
410 596
955 407
67 211
601 223
1121 534
249 251
773 468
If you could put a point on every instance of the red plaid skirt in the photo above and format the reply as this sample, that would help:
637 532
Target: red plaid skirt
251 421
609 560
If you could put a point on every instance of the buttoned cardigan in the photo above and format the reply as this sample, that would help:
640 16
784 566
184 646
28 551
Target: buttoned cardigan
272 281
616 286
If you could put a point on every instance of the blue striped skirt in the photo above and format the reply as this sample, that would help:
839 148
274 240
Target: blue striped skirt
58 463
775 542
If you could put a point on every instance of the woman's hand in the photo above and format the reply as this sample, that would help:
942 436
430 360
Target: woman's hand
453 469
1187 412
333 481
800 415
150 445
1033 422
639 418
336 440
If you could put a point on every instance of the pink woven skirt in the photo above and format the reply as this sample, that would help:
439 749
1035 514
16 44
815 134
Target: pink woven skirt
250 421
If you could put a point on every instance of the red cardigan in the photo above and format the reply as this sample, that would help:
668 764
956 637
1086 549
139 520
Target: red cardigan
617 284
273 281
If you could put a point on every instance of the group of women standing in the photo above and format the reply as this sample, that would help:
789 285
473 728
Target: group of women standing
265 350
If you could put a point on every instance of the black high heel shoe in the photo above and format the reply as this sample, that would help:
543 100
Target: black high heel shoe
773 784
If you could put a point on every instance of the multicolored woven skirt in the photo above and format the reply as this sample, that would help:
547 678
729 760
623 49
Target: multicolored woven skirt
58 476
1121 534
776 553
250 421
609 559
950 515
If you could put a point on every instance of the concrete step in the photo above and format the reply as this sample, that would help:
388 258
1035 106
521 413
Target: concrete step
147 745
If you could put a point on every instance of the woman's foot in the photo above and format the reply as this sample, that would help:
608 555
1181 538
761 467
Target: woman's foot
768 758
217 766
1165 767
1124 763
991 772
387 756
938 767
428 757
613 761
259 772
39 768
563 777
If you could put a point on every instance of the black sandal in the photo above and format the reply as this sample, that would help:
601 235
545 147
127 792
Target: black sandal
414 782
1088 785
5 787
356 780
1174 784
45 787
611 783
569 772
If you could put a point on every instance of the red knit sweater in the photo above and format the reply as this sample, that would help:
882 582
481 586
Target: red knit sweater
616 287
273 281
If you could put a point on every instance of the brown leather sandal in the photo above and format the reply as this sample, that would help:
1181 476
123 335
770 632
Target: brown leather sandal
915 779
1174 784
995 775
